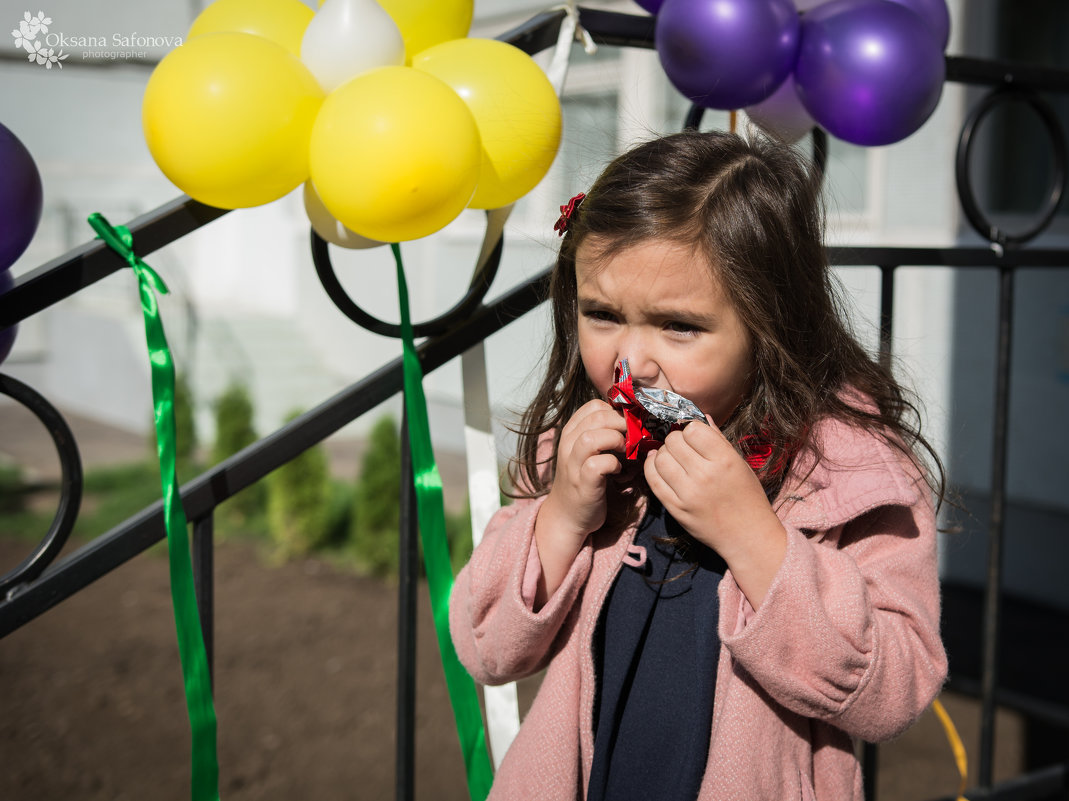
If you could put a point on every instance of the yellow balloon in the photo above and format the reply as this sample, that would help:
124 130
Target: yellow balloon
425 23
281 21
394 154
515 107
228 116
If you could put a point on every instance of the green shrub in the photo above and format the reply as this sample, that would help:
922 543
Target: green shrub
186 431
12 491
233 422
233 431
376 517
298 494
110 495
339 515
376 503
458 533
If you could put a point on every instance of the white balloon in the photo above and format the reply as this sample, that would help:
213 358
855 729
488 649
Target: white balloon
324 223
348 37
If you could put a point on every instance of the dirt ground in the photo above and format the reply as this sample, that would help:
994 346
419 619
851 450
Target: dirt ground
91 702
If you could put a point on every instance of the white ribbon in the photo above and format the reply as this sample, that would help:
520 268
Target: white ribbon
570 31
484 495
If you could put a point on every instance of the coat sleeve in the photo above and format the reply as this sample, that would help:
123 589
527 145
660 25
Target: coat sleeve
849 630
497 634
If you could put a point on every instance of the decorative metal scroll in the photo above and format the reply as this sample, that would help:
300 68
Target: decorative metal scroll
481 280
977 219
70 498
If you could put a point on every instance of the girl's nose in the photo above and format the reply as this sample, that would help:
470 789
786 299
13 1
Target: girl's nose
644 368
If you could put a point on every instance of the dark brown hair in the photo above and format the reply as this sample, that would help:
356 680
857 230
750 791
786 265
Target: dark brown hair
752 207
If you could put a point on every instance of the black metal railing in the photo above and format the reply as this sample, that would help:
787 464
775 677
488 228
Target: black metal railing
37 585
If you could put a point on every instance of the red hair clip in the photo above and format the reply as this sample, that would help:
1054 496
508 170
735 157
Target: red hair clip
566 213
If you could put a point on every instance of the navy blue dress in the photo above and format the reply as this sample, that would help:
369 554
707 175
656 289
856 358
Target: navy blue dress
656 649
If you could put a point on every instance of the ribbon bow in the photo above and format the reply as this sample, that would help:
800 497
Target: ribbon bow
566 212
191 651
119 239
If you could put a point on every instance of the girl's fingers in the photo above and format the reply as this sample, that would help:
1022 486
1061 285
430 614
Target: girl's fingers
595 416
668 467
682 453
707 441
696 446
595 412
594 441
651 468
601 465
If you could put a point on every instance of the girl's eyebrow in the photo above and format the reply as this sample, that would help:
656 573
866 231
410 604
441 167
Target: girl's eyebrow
587 303
693 318
675 315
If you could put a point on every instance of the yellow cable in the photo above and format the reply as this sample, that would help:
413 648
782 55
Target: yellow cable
955 745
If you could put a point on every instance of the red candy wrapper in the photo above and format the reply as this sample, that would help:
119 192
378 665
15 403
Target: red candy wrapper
651 414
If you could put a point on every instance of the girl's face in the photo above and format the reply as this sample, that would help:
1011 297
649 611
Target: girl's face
658 305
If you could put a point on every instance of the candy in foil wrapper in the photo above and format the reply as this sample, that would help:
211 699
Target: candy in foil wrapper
651 414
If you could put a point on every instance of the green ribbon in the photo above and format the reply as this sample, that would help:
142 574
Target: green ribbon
191 652
431 512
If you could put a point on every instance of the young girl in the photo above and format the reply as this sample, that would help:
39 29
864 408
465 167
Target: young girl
723 617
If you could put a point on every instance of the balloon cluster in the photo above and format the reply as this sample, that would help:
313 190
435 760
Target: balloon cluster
390 116
21 201
870 72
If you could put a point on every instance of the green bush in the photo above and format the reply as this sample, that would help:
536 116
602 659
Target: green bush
339 516
298 495
186 430
376 503
233 431
110 495
376 517
12 491
458 533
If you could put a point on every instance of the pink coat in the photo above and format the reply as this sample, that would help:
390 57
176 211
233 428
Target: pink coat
845 645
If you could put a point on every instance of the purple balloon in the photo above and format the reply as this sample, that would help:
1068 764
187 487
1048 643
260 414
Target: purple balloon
936 17
7 335
21 198
782 115
652 6
727 54
869 71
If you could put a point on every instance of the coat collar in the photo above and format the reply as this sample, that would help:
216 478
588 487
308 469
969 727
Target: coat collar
856 471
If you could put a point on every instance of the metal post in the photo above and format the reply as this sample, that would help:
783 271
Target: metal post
870 755
870 762
887 312
204 584
993 587
407 586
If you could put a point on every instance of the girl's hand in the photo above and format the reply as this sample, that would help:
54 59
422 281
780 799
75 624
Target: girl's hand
576 506
585 459
711 491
